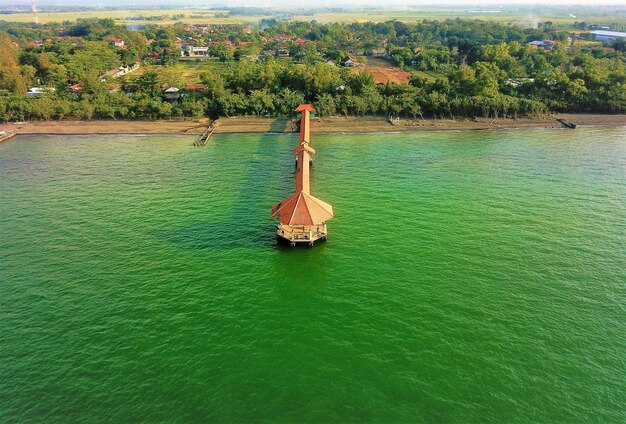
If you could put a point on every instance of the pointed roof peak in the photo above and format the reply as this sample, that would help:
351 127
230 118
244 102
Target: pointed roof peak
302 209
305 106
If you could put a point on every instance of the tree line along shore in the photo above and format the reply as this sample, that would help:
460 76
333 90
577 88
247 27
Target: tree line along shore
456 70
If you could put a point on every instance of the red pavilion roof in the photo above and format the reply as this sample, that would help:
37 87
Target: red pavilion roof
302 209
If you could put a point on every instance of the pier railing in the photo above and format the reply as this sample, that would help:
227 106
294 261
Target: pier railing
296 233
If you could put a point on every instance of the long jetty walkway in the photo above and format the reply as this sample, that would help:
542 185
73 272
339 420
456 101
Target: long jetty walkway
302 216
206 134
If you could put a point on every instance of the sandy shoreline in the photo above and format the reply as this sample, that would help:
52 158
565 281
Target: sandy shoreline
380 124
71 127
319 125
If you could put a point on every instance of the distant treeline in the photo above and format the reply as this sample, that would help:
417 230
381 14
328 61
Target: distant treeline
459 68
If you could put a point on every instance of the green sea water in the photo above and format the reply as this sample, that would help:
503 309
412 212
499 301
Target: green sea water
468 278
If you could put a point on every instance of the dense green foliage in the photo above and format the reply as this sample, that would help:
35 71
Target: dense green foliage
459 68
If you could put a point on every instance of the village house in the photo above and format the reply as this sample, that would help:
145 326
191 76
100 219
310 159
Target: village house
118 42
196 88
77 88
282 38
282 52
172 93
349 63
191 51
35 91
545 44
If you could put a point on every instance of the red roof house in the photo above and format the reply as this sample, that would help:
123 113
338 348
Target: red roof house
195 88
283 37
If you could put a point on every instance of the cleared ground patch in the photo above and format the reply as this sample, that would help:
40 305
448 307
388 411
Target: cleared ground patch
384 71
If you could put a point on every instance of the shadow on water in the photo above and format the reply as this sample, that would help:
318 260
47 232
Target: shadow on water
228 234
249 225
282 125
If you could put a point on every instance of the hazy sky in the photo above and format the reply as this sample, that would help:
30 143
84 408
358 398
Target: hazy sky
319 3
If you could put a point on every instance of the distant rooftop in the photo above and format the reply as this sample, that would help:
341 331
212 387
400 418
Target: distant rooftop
610 33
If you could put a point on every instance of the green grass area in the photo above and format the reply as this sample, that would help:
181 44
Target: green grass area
426 75
191 69
519 16
194 69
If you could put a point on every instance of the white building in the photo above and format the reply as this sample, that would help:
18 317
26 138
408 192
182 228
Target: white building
35 91
122 70
608 35
191 51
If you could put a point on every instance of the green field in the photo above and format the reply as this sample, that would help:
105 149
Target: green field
191 69
519 16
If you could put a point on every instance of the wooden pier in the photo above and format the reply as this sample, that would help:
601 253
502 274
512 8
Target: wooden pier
204 137
5 135
566 123
302 216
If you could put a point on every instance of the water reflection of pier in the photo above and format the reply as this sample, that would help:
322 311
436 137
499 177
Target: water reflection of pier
302 216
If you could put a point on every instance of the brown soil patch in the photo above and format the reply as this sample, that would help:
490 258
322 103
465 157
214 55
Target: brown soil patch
384 72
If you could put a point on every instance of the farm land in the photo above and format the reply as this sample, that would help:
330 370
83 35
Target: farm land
514 15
